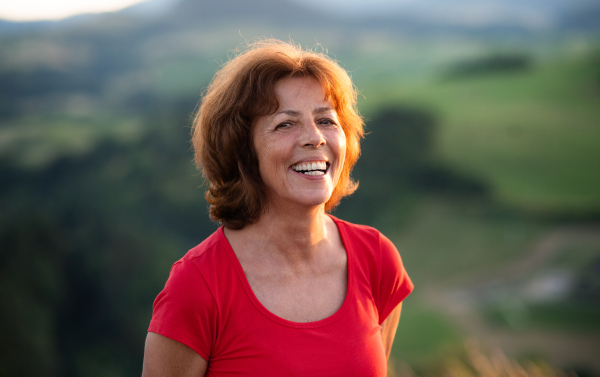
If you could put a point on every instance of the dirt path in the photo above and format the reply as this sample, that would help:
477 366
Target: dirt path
561 348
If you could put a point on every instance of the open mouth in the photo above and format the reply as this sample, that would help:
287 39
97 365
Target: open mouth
311 168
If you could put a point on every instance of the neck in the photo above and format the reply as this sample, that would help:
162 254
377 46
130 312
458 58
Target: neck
296 236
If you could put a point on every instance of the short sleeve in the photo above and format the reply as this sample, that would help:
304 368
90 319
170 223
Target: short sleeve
395 285
185 310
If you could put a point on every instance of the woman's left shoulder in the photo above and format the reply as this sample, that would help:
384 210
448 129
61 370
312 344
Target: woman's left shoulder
378 260
362 234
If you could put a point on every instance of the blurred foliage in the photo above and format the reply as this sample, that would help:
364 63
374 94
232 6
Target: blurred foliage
88 240
529 135
498 63
424 336
397 163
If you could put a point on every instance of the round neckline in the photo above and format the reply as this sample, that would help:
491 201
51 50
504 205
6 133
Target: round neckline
286 322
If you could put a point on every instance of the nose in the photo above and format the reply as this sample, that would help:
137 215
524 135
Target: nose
313 136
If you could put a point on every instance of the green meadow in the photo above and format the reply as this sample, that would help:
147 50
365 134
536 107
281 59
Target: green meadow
532 134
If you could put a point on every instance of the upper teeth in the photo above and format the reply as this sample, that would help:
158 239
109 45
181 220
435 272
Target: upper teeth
311 167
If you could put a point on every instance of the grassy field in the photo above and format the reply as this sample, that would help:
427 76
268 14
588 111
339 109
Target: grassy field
489 275
532 135
424 336
445 245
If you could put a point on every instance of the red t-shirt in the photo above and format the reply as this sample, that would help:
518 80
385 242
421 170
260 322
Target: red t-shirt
208 305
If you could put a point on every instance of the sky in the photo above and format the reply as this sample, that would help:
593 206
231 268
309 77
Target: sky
32 10
461 11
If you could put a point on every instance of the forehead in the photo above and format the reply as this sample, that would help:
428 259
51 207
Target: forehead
297 90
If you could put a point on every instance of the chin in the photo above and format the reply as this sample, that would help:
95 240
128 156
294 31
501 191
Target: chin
316 201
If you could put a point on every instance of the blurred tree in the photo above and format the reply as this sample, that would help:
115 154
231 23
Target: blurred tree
397 164
87 243
496 63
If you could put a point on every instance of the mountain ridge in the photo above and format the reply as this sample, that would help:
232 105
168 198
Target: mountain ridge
431 17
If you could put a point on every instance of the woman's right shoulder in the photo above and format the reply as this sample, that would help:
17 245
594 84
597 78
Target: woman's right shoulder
187 309
212 247
206 261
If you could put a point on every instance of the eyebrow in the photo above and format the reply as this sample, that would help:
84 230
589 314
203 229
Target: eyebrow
288 112
322 109
318 110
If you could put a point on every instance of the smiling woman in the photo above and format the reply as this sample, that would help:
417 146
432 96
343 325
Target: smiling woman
282 288
32 10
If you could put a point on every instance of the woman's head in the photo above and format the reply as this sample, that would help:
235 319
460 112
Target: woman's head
242 91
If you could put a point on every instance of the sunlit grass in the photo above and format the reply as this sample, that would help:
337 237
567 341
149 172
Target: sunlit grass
476 361
454 240
424 336
532 134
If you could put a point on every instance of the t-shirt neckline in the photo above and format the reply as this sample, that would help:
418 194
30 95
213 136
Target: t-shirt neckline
285 322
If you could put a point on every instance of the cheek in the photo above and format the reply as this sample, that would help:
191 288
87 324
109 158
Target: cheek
272 157
340 152
263 159
342 147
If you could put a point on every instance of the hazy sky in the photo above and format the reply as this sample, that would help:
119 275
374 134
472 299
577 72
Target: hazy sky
460 11
28 10
31 10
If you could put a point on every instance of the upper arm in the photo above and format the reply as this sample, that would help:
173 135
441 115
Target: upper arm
393 282
165 357
388 329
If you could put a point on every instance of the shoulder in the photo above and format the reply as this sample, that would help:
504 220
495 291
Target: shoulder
201 269
210 245
194 280
379 262
373 251
209 254
356 235
356 231
188 308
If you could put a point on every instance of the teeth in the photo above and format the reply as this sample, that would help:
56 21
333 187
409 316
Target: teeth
311 168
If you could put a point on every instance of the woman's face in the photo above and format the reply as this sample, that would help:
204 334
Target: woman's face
301 147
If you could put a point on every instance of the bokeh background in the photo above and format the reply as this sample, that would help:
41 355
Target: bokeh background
482 164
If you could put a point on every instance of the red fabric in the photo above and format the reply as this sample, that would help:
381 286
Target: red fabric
208 305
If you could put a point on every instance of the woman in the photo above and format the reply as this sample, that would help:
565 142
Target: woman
282 288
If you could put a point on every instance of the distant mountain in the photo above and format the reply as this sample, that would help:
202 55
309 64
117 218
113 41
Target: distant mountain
461 15
186 14
425 17
9 27
582 19
272 11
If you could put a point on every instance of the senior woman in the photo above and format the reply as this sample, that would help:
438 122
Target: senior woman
282 288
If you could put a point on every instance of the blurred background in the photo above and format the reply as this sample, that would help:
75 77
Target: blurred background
481 163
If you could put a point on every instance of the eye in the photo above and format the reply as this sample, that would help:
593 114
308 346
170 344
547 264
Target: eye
327 122
283 125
